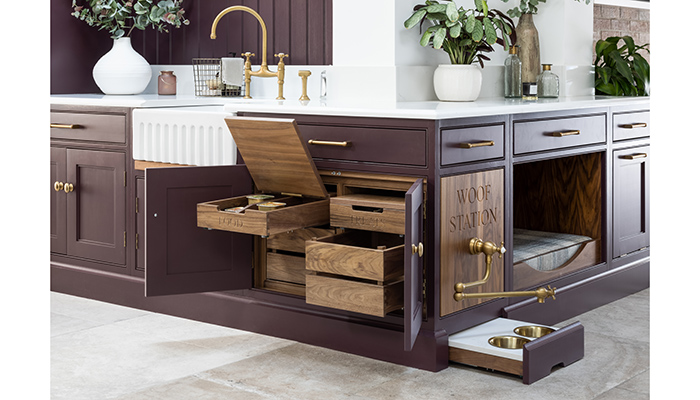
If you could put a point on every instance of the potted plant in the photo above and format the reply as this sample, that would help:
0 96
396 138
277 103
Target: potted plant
466 35
621 71
122 70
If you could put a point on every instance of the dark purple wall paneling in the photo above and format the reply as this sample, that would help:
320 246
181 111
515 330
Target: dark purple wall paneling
300 28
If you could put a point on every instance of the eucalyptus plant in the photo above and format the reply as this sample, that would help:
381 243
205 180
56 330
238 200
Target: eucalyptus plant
621 71
464 34
120 17
528 7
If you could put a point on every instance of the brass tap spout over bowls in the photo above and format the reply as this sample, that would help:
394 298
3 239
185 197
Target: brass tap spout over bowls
540 293
264 71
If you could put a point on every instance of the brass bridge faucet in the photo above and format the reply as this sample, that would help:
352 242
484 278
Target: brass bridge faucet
264 71
478 246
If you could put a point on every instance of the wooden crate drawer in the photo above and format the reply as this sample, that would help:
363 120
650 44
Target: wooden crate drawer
357 254
557 133
631 125
356 296
369 212
460 145
89 127
366 144
297 214
286 268
296 240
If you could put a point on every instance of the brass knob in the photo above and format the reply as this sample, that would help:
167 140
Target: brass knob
68 187
417 249
58 186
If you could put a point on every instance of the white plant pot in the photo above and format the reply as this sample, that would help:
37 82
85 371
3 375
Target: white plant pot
455 82
122 70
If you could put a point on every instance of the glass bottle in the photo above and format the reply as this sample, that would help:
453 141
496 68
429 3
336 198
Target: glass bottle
167 83
547 82
513 75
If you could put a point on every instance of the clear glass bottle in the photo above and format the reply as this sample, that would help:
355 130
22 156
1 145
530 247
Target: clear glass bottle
513 82
547 83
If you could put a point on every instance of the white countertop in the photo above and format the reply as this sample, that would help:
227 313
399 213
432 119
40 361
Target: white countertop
413 110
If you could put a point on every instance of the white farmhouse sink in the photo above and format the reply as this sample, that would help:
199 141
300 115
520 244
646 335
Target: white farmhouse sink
183 135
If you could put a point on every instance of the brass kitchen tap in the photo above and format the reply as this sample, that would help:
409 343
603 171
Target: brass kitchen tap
264 71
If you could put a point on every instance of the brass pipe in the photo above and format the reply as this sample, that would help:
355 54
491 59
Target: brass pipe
540 293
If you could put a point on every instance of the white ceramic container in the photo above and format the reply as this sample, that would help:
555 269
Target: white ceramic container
457 82
122 70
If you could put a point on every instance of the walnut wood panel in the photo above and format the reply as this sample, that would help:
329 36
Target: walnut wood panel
471 206
560 195
525 276
89 127
477 359
360 297
356 254
276 157
286 268
369 212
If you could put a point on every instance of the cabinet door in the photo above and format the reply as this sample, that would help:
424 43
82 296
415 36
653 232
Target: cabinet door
96 208
413 265
140 224
58 200
181 257
630 200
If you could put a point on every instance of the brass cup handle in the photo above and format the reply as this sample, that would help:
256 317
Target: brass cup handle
68 187
330 143
417 249
477 144
566 133
58 186
634 126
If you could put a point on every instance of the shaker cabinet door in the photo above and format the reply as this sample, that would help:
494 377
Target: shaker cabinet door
413 265
630 200
58 200
180 256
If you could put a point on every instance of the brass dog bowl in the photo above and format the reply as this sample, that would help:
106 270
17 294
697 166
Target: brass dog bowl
533 331
508 342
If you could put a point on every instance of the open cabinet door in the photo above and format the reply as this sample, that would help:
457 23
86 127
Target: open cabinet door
181 257
413 265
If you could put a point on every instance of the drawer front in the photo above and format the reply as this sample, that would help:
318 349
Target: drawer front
460 145
631 125
558 133
383 215
359 297
89 127
370 144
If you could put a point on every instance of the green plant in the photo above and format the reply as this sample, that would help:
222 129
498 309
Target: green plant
464 34
621 71
116 16
528 7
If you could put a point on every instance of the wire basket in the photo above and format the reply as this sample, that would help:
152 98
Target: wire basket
207 79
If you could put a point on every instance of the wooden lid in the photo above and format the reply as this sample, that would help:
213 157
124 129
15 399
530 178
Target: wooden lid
276 156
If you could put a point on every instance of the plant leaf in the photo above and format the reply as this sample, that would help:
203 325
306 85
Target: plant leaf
478 32
621 66
413 19
425 39
439 37
490 31
451 11
469 25
455 30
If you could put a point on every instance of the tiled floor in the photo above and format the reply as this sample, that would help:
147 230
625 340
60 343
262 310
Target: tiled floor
103 351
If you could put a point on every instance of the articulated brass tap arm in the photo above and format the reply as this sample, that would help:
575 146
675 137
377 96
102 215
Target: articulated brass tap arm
540 293
477 246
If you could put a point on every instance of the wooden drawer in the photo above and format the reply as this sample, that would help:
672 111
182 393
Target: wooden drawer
297 214
357 254
631 125
367 144
295 241
369 212
286 268
460 145
356 296
89 127
557 133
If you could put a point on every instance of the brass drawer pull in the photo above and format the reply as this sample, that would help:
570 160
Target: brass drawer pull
66 126
327 143
566 133
58 186
633 156
477 144
633 126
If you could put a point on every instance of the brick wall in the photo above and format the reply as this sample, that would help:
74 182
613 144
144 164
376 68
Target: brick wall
621 21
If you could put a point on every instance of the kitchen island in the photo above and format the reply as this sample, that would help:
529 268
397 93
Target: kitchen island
496 170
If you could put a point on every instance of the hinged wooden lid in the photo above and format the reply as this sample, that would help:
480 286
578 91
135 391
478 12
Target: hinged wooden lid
276 155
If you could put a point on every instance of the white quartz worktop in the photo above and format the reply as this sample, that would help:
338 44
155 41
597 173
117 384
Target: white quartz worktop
368 108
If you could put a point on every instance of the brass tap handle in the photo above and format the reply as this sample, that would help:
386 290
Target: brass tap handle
58 186
247 55
281 56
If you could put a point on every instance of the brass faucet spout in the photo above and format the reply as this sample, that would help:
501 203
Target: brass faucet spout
253 13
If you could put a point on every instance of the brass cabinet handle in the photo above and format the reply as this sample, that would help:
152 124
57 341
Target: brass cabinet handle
58 186
477 144
633 156
68 187
328 143
633 126
66 126
566 133
417 249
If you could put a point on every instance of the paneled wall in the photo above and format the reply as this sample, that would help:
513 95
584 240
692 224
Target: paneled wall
300 28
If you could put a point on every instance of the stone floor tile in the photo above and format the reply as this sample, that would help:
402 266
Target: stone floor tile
192 388
91 310
622 394
62 324
640 383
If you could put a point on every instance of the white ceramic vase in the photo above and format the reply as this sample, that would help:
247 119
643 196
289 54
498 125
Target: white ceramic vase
122 70
457 82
